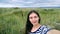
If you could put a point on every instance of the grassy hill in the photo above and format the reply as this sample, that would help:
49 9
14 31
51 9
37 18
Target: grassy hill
13 20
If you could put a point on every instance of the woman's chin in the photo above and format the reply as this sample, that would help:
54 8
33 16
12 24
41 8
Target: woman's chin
35 24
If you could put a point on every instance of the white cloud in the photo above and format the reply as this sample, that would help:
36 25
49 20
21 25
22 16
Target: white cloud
7 5
13 0
30 3
16 1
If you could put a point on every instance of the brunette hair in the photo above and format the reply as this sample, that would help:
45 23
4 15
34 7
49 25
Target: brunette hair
28 23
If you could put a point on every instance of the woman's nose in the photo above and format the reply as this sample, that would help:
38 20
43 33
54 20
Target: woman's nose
33 19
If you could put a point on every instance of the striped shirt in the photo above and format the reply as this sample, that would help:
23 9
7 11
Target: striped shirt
41 30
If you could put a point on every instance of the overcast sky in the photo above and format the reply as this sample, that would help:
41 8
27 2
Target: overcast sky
29 3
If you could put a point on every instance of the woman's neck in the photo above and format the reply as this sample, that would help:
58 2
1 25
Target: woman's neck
37 25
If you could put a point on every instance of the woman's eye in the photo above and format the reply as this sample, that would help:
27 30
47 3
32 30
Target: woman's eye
35 16
30 17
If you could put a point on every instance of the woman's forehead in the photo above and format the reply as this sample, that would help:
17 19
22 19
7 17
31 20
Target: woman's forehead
32 14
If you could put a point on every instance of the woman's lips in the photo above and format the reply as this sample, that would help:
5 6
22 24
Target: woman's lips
34 22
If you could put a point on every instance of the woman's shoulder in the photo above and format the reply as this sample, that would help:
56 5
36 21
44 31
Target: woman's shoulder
49 30
45 29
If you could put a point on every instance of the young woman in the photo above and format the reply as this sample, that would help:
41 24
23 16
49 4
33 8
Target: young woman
33 25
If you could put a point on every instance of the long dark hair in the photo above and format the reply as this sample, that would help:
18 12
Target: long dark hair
28 23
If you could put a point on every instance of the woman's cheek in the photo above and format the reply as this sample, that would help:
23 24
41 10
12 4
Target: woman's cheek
37 20
31 20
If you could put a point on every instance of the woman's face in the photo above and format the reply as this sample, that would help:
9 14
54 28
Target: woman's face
33 17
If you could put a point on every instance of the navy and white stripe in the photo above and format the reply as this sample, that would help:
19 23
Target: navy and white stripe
42 30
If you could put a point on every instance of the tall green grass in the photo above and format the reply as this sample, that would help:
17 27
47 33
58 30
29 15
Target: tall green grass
13 20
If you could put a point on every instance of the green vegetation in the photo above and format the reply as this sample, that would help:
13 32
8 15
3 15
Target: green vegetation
13 20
